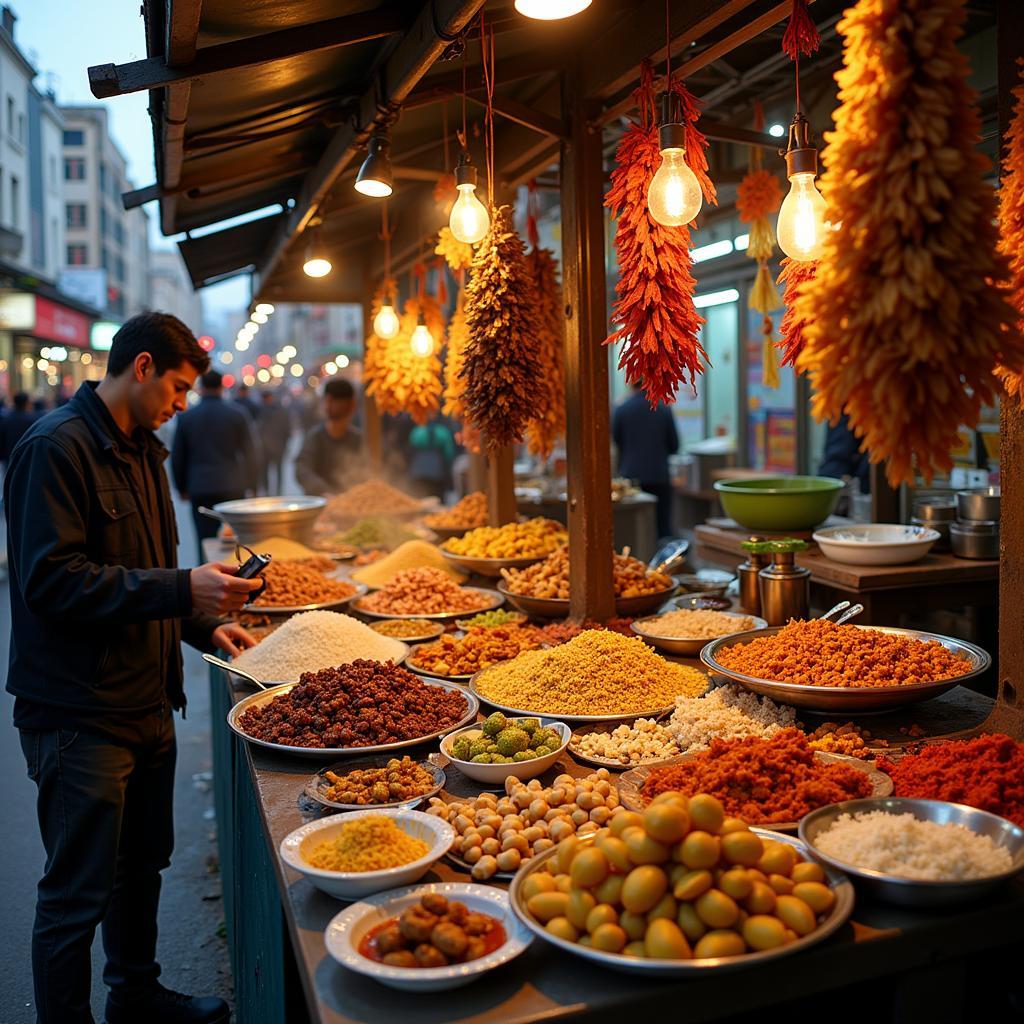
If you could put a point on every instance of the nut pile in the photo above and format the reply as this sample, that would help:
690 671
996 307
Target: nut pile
479 648
550 578
533 539
702 623
644 740
468 512
370 498
498 834
290 584
726 713
423 592
403 779
849 739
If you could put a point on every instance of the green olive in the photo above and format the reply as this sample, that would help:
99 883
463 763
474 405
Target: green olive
719 943
601 914
580 904
589 868
690 924
667 822
643 887
665 907
609 937
562 928
610 890
795 914
742 848
634 925
764 932
635 948
665 941
820 898
716 909
547 905
706 812
700 849
692 884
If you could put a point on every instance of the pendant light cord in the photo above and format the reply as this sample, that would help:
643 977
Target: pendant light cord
668 47
385 234
487 59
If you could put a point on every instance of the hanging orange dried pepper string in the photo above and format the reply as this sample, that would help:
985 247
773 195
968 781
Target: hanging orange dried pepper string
907 317
1011 228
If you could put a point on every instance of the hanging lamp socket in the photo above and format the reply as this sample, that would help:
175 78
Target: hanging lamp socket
800 153
375 177
671 130
465 172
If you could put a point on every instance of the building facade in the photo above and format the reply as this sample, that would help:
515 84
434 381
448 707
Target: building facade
171 291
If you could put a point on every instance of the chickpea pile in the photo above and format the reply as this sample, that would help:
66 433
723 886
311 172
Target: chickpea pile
680 882
533 539
550 578
499 834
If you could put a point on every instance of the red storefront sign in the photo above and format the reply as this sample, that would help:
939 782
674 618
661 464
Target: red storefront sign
55 322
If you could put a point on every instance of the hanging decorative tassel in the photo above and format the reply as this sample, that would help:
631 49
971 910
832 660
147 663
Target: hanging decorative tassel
794 321
908 316
1011 230
769 357
658 322
801 36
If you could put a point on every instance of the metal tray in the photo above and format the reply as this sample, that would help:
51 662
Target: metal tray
631 782
436 634
686 646
265 696
837 917
280 609
496 601
848 700
318 785
488 566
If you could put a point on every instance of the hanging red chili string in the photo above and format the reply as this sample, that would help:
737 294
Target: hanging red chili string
532 211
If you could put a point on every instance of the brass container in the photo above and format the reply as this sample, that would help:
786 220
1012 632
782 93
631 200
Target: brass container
785 589
758 556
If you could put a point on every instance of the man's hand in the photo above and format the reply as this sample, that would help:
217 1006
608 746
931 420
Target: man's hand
232 638
216 590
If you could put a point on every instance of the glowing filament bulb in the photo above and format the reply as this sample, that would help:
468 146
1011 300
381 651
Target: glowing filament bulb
802 220
469 219
422 341
385 323
674 196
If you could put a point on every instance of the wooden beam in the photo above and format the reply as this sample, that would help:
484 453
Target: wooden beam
106 80
520 113
417 51
745 136
182 31
588 446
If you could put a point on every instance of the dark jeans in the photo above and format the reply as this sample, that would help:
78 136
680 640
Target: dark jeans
663 492
207 527
106 817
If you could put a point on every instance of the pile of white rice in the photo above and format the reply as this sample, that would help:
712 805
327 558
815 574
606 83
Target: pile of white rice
314 640
900 844
728 713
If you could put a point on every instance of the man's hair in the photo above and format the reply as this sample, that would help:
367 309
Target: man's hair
340 388
212 380
21 401
163 336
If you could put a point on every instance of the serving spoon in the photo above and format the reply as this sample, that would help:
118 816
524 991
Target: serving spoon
234 670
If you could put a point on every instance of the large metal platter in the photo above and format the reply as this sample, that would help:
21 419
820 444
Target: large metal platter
532 712
848 700
487 566
265 696
839 883
630 783
281 609
317 787
494 601
685 646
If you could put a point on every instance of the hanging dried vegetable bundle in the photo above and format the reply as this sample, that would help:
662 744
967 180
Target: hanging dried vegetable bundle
791 330
1011 229
907 318
502 368
458 254
402 381
659 324
548 424
458 335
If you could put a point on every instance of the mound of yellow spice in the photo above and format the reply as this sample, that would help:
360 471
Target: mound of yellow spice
370 843
413 554
597 673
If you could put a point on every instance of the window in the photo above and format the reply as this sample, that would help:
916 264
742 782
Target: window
119 268
118 232
74 138
103 178
10 115
76 215
103 222
53 172
15 203
74 168
78 255
21 127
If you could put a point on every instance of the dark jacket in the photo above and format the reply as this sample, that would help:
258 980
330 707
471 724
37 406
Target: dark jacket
645 438
12 427
327 465
215 450
842 455
97 608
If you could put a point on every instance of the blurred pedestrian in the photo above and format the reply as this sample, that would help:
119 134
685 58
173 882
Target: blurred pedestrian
243 397
645 438
99 610
331 457
274 427
432 452
14 424
215 454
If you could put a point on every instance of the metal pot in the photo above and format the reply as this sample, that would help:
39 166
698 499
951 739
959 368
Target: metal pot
975 539
934 510
940 526
255 519
979 505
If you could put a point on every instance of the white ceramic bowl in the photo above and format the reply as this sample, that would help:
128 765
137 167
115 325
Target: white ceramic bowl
495 774
347 929
353 885
876 543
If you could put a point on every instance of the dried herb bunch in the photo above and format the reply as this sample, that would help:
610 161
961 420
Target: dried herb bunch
459 255
548 424
794 275
502 368
454 385
1011 229
655 311
907 317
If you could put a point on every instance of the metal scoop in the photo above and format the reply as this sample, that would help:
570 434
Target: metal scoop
228 667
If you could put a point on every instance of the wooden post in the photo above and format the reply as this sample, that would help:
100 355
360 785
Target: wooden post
372 442
501 489
885 499
477 472
587 429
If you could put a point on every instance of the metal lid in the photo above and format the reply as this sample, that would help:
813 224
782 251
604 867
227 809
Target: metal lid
977 527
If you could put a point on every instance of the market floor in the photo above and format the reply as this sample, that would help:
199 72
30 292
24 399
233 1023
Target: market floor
193 953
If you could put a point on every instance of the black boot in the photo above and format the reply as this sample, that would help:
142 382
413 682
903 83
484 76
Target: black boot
163 1006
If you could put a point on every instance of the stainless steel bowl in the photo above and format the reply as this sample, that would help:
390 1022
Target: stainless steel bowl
255 519
980 504
911 892
707 581
935 510
940 526
977 539
686 646
487 566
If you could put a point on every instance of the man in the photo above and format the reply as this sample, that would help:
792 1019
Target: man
243 398
645 438
275 431
331 455
14 425
214 454
98 611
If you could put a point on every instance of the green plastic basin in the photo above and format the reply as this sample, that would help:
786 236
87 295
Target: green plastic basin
780 503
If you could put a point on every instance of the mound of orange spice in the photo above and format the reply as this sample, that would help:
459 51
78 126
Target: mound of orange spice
762 781
478 649
820 653
985 772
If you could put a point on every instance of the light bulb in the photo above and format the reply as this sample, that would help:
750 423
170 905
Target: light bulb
316 266
551 10
385 323
469 220
802 220
422 341
674 196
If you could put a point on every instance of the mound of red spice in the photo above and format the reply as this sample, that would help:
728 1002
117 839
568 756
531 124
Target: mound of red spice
986 772
762 781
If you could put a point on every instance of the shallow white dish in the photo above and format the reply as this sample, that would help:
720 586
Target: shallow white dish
495 774
875 543
347 929
353 885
